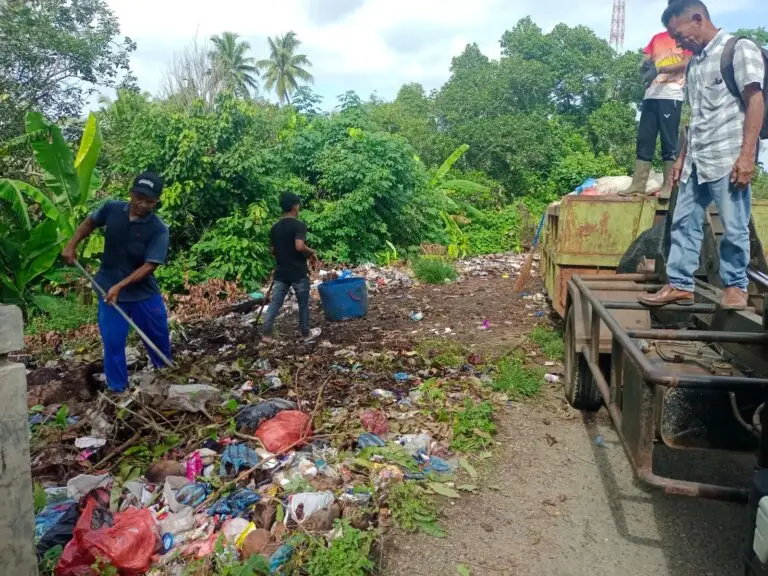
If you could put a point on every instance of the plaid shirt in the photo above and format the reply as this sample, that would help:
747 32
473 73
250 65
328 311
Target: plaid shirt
717 116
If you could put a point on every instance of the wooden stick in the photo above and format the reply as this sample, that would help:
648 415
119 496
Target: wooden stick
124 446
151 423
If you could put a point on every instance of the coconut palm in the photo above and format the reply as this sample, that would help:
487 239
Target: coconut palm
239 71
284 69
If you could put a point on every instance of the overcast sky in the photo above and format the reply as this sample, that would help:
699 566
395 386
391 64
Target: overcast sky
377 45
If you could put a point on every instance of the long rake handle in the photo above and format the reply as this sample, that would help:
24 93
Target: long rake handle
125 316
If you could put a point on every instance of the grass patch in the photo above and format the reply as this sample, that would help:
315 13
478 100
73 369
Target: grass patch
348 555
513 378
434 270
550 341
442 352
413 510
53 314
473 427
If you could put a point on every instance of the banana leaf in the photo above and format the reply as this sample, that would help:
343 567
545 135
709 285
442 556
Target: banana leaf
448 164
87 155
12 192
55 158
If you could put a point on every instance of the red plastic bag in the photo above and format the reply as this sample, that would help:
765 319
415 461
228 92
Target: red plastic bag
289 429
375 422
127 545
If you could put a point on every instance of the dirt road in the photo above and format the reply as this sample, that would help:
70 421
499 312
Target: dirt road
554 503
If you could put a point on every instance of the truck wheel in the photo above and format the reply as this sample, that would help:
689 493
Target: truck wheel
580 389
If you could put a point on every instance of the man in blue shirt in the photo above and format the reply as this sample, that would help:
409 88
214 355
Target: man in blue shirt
135 243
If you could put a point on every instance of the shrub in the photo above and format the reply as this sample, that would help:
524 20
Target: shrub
433 270
515 379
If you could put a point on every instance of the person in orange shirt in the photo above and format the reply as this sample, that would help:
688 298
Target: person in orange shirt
663 69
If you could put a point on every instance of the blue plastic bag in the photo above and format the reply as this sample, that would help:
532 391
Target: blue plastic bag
367 439
50 516
237 456
280 557
236 504
192 494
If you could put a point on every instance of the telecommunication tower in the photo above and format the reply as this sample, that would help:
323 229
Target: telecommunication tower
618 24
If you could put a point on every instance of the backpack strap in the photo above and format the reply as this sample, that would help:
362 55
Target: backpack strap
726 65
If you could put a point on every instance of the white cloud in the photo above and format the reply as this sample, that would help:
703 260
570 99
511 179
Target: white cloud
368 45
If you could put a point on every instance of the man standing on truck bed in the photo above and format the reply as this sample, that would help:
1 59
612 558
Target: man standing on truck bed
664 74
135 244
718 160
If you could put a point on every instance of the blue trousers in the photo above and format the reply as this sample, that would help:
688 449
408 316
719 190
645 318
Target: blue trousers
151 316
279 292
735 207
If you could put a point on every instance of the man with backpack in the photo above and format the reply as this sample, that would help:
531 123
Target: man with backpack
726 84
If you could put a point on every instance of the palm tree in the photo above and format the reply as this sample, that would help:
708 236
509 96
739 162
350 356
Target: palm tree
239 71
284 69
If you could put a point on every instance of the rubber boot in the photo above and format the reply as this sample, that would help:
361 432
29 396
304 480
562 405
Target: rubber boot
639 180
666 187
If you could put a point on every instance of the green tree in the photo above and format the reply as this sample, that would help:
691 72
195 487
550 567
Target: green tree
284 69
53 55
759 35
307 102
240 72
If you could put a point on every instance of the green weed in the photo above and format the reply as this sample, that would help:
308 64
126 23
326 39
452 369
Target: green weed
473 427
413 510
550 341
348 555
434 270
53 314
39 497
442 352
513 378
47 564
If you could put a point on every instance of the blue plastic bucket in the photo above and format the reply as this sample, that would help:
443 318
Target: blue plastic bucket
344 298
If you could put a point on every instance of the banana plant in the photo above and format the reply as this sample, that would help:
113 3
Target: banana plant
30 247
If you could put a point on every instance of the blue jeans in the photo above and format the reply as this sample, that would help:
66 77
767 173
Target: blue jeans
279 292
735 207
150 316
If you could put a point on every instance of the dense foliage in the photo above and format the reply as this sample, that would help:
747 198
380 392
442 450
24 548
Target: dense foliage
470 166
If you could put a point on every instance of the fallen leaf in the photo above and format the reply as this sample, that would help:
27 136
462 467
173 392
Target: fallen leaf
464 463
467 488
444 490
482 434
462 570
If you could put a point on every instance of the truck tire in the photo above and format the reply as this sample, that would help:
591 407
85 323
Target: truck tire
580 389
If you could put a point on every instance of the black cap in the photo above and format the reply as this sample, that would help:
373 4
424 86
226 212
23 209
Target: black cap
149 184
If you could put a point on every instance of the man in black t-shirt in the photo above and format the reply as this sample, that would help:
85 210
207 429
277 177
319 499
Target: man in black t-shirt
288 237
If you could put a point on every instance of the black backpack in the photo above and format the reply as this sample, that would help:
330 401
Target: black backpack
729 76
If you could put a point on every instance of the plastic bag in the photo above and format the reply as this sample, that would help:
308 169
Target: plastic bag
237 457
375 421
251 417
367 440
55 524
309 502
192 494
128 545
236 504
287 430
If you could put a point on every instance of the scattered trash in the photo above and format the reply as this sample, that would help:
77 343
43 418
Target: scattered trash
236 458
251 417
303 506
194 466
539 314
486 325
274 382
416 316
55 524
235 504
289 429
401 376
644 346
89 442
375 421
127 542
366 440
552 378
81 485
386 395
600 441
192 494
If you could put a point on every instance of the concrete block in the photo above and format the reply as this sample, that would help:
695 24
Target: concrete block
11 329
17 515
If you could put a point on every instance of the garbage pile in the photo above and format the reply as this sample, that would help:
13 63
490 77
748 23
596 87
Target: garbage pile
507 263
232 457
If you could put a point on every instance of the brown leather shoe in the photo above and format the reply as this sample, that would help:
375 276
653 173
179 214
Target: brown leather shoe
667 295
734 299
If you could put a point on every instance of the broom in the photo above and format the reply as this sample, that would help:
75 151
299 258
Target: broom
525 271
